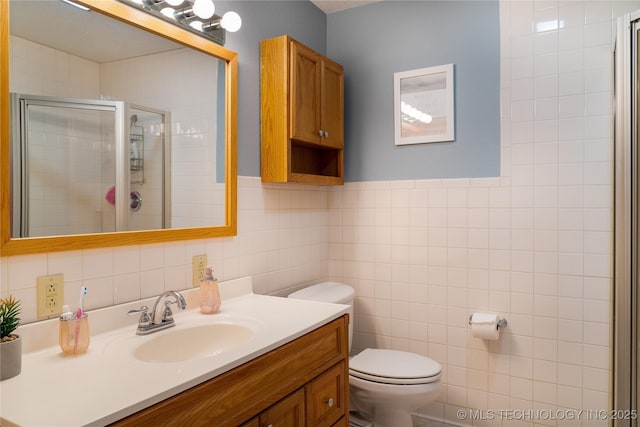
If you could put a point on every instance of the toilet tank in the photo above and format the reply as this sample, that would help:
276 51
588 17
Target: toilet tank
333 292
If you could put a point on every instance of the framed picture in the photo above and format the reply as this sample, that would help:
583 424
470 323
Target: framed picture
424 105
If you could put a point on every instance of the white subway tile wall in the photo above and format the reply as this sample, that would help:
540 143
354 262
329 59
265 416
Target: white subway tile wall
533 245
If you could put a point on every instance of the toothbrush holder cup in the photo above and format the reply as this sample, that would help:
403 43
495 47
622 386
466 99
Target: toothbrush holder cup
74 335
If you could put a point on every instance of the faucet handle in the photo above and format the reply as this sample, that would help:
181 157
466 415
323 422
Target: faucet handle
167 314
145 319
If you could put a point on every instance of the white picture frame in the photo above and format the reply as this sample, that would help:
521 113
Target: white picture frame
424 105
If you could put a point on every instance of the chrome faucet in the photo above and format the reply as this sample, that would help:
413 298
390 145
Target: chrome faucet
149 322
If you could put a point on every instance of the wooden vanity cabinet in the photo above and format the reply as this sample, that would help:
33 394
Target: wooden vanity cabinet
302 114
302 383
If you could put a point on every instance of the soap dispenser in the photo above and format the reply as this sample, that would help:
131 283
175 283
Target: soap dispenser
209 293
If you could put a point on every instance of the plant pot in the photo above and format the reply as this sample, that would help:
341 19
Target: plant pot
10 358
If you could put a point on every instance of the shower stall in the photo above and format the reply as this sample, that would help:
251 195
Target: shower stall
88 166
626 298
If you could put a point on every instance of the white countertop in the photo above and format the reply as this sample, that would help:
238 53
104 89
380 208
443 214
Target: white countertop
107 383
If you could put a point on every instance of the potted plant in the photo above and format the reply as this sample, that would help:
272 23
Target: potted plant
10 343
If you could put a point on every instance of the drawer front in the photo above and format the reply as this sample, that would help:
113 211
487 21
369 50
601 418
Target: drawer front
327 397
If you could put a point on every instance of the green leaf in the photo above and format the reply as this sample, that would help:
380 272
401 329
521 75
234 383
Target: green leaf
9 311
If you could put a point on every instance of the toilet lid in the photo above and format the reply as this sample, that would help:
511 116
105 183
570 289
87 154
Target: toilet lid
394 367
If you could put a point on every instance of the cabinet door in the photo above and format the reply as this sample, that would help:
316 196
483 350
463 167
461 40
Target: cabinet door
327 397
289 412
332 104
305 94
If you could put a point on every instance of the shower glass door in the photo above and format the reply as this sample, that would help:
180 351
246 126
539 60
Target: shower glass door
64 165
149 168
626 322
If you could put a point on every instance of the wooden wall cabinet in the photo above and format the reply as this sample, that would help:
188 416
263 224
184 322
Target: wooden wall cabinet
302 383
302 114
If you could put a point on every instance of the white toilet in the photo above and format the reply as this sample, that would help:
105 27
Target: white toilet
385 384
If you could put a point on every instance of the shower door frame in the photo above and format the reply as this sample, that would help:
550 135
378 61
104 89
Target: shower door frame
166 159
20 104
625 326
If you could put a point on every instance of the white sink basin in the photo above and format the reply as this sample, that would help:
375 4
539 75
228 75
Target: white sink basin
196 342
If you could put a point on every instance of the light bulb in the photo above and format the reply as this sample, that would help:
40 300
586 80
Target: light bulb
168 12
204 8
174 2
231 21
196 24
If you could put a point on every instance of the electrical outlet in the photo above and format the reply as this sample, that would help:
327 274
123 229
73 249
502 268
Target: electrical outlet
199 268
50 295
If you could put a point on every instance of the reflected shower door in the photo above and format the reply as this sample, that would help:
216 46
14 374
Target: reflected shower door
65 166
626 295
149 168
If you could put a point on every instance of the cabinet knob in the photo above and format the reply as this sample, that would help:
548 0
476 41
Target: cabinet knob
320 132
330 403
326 134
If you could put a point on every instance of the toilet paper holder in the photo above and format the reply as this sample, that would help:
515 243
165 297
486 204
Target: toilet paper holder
502 322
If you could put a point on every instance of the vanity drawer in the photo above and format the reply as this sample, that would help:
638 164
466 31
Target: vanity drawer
326 396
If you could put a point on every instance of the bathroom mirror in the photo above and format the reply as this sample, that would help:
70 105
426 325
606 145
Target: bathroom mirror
152 111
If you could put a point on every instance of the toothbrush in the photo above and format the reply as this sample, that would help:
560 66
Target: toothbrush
80 311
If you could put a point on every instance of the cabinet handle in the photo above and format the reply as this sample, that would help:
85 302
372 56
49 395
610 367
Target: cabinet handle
326 134
330 402
320 132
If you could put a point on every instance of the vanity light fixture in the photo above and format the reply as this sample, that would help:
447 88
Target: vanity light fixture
196 16
204 8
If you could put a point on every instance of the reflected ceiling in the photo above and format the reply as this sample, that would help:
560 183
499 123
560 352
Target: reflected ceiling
50 23
330 6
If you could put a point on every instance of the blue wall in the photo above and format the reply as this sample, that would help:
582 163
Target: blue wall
374 41
303 21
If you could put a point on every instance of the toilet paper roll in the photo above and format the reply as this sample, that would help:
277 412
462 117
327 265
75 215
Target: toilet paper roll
485 326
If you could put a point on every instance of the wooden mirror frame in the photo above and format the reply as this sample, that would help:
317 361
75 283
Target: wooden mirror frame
32 245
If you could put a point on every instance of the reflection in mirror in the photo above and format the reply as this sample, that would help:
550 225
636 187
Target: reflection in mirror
424 105
68 182
114 128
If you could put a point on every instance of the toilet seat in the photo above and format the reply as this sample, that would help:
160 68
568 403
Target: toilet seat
394 367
